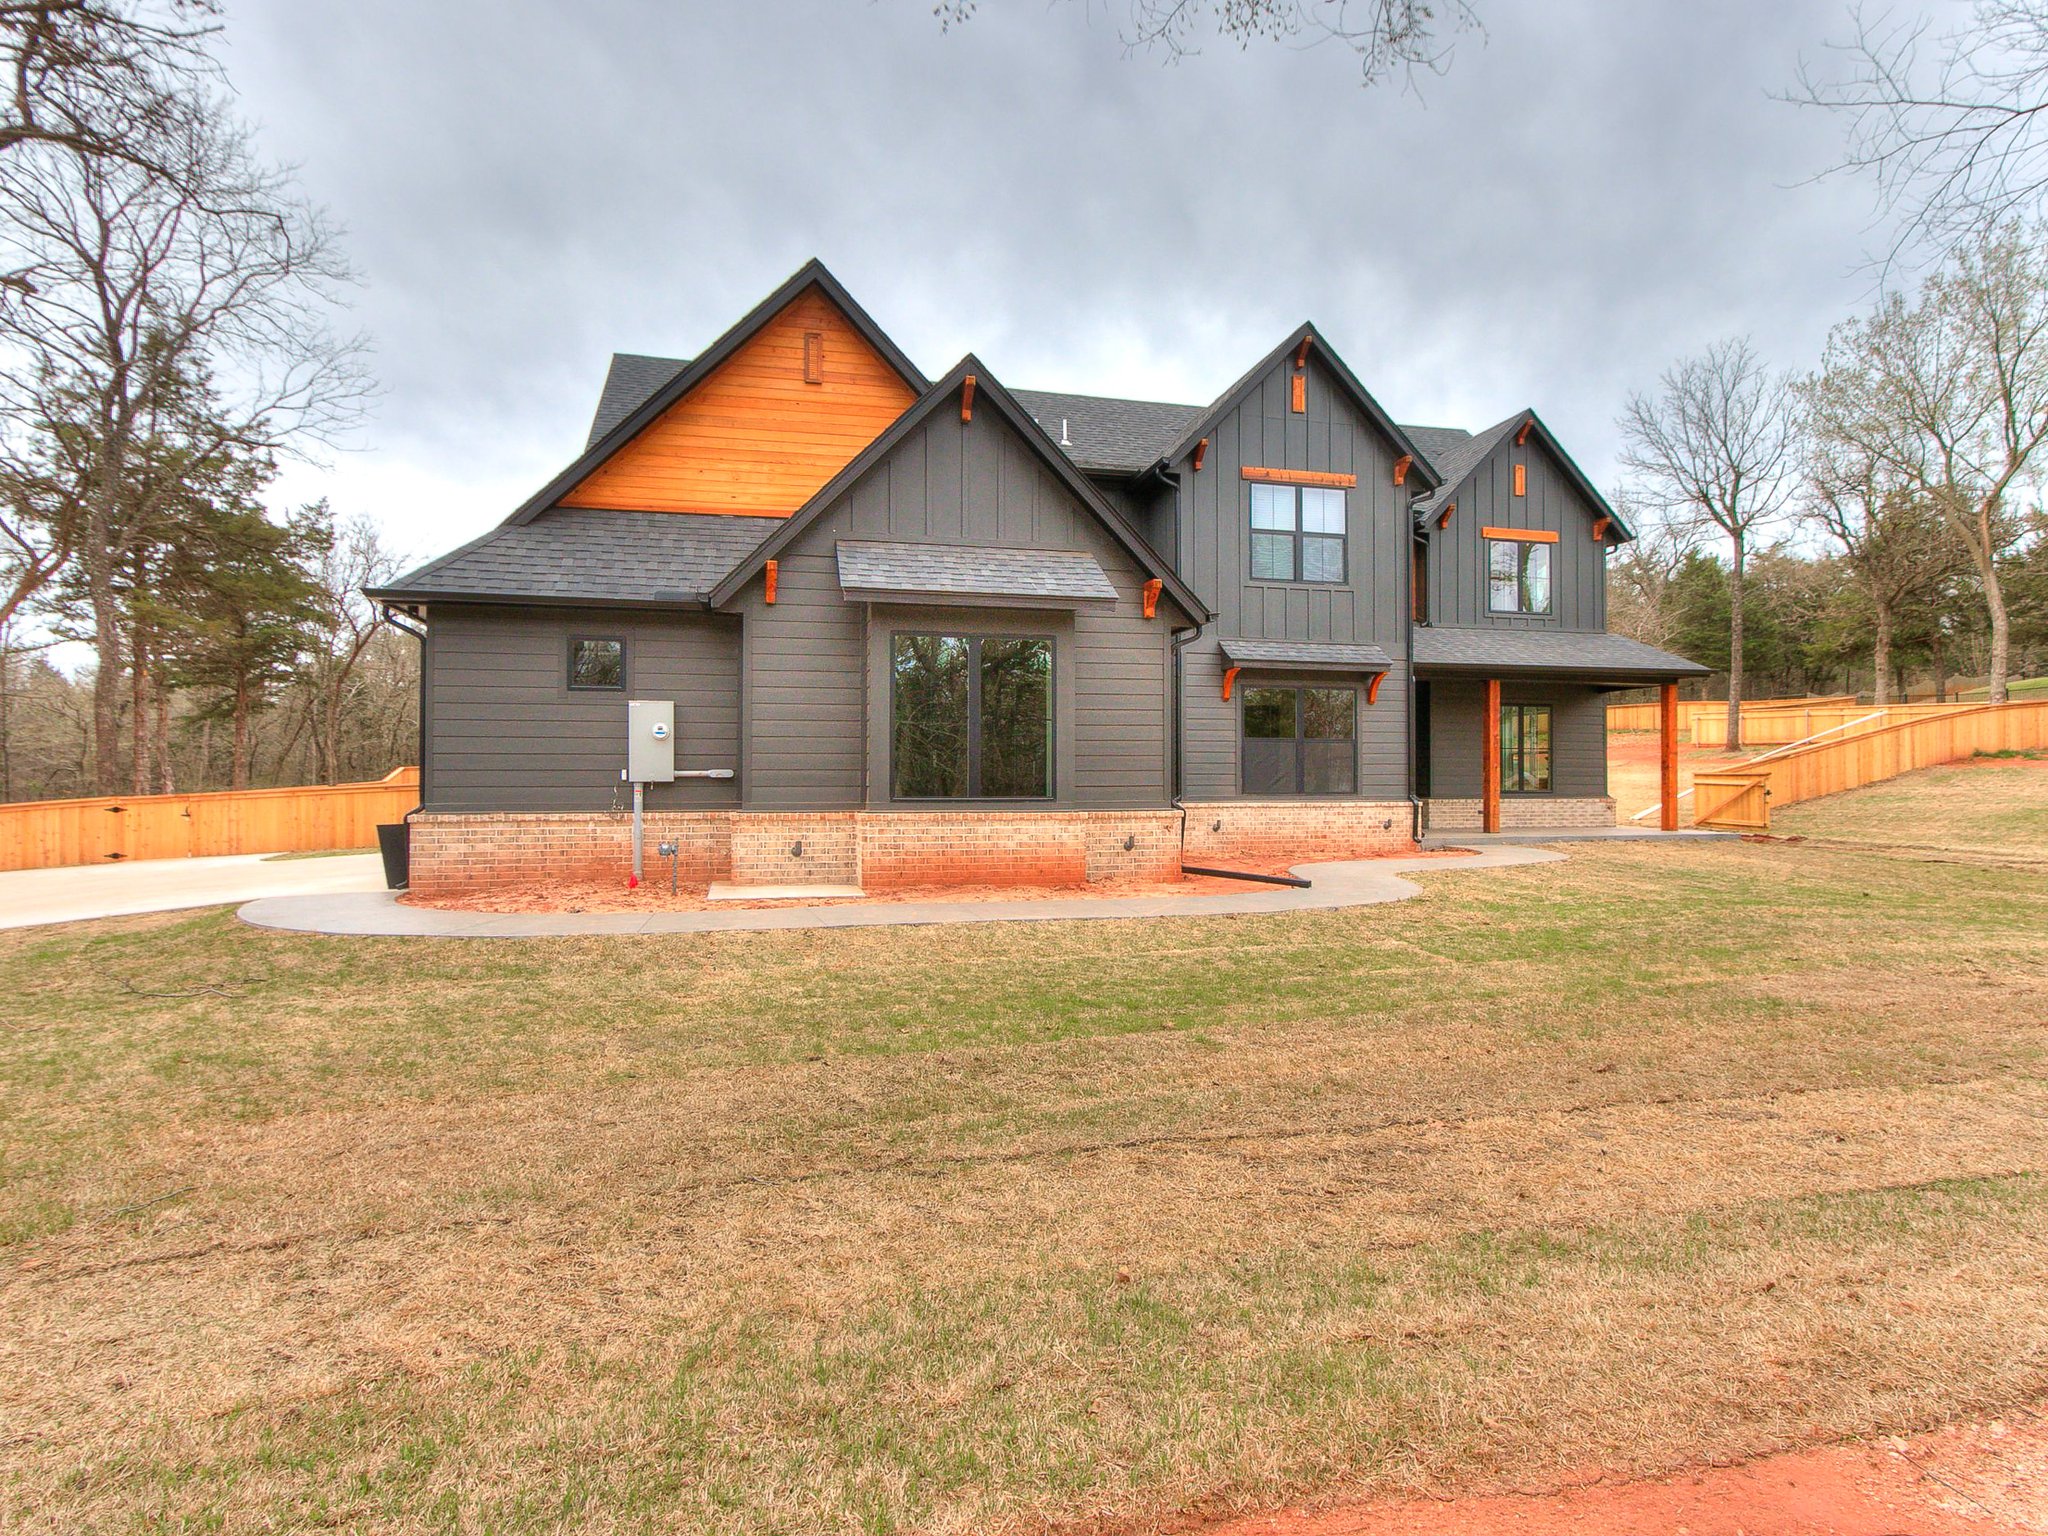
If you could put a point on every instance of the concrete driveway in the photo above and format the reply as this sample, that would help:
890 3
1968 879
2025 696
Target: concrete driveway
32 896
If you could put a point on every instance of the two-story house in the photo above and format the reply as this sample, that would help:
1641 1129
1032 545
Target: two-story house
938 630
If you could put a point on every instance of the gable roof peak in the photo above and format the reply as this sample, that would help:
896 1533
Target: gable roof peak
1223 404
812 274
989 393
1461 461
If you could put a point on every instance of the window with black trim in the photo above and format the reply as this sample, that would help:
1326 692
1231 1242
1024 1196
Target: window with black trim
1517 576
597 663
1525 749
971 717
1300 741
1297 533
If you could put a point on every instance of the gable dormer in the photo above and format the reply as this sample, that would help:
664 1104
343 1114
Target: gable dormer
755 425
1516 537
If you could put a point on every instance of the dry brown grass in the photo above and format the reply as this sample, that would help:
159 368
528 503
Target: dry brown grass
1654 1154
1995 808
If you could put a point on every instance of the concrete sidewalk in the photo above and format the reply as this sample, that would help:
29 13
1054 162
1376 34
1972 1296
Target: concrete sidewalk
1575 835
1352 883
32 896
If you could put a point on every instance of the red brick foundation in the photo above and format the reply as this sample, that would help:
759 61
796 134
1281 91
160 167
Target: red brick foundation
1223 831
452 854
1523 813
889 850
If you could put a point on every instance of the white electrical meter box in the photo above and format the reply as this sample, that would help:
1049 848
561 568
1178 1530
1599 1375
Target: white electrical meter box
651 741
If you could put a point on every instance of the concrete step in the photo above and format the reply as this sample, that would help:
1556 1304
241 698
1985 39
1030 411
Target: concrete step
725 890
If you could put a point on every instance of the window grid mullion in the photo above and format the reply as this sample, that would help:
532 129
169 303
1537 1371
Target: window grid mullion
1301 741
973 717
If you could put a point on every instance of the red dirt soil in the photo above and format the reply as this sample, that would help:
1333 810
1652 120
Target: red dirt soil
653 895
1969 1480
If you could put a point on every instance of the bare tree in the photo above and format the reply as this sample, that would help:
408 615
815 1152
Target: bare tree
1950 126
345 627
1949 394
1640 575
1387 35
1717 447
166 320
1889 534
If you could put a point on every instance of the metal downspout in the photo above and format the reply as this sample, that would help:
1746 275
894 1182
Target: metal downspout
419 633
1181 641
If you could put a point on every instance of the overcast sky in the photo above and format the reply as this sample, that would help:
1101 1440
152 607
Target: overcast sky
1591 191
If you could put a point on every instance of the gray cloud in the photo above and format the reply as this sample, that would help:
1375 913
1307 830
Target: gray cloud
1590 191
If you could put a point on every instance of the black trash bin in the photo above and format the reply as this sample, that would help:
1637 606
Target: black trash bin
395 843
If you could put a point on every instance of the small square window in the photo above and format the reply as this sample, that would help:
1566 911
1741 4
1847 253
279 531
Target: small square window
597 664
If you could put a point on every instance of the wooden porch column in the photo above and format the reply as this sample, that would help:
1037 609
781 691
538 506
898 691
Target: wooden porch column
1489 769
1667 725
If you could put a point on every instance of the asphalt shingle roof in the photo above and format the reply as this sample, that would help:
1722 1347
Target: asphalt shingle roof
1459 459
632 377
571 554
1106 433
1310 655
1543 650
1059 576
1435 442
1102 432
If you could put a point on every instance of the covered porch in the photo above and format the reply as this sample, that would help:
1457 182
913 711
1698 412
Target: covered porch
1511 729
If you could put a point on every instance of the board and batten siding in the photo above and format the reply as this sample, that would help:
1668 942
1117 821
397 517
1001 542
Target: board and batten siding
506 732
1457 553
1212 527
1457 718
815 674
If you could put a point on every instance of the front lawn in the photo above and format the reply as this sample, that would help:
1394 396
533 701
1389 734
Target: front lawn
1987 806
1659 1153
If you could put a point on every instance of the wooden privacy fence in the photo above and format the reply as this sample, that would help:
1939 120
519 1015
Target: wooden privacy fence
1782 727
39 834
1643 717
1740 799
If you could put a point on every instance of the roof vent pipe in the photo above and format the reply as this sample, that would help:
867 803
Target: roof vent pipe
1065 441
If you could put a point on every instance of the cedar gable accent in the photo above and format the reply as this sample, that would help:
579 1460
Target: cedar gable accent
753 438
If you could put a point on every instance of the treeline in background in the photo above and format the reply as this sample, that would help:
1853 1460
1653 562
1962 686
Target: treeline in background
168 336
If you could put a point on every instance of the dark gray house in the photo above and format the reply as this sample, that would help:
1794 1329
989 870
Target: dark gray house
929 630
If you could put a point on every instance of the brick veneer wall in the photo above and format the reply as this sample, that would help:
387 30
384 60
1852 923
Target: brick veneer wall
1222 830
1523 813
467 853
877 850
765 849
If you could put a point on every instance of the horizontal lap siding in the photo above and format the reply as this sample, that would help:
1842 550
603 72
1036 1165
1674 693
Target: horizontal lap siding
949 482
1368 608
1120 697
507 733
804 698
1578 726
1457 553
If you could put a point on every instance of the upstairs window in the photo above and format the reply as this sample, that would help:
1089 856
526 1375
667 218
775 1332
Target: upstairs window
597 664
1517 576
1297 533
971 717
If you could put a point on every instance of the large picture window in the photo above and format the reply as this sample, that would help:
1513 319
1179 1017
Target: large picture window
1297 533
1300 741
1517 576
1525 749
971 717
